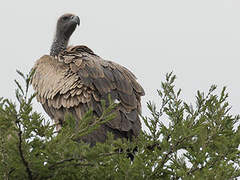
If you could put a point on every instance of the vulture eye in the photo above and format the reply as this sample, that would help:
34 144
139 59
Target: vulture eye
65 18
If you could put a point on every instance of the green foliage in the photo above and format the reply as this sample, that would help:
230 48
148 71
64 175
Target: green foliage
182 141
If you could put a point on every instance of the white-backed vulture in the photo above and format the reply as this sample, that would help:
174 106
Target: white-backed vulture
74 79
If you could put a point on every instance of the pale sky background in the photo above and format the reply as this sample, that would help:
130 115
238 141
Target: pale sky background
197 39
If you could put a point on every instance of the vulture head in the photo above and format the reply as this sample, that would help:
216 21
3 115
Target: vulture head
66 25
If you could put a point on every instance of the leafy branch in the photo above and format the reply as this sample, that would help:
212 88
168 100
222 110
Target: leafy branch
182 140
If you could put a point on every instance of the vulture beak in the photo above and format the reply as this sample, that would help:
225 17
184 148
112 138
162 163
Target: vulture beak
76 20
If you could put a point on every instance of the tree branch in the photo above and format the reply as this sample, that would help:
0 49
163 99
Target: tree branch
171 150
192 170
25 163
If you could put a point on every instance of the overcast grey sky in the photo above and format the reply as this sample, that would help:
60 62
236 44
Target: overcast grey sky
197 39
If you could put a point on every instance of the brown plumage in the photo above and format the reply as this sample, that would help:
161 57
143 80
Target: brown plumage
74 79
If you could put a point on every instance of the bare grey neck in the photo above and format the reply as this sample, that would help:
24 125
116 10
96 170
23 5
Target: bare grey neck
59 44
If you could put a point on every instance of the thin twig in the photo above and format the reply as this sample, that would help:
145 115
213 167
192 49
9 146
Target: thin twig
82 164
81 159
10 172
63 161
110 154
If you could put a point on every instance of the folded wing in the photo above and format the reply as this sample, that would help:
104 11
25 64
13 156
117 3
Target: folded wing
78 80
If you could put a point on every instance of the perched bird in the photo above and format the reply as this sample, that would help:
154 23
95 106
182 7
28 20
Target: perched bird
75 79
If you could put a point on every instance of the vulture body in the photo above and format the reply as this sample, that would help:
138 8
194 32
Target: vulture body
74 79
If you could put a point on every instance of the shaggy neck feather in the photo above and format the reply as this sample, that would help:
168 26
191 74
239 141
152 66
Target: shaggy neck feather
59 44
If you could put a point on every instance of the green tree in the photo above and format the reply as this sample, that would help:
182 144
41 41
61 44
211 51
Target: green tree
182 141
